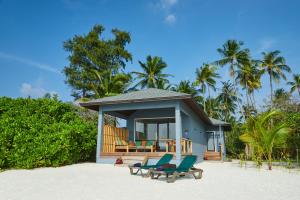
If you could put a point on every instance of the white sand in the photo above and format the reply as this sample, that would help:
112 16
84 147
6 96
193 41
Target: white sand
105 182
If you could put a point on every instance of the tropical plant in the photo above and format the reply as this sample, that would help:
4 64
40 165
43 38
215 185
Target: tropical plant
263 135
205 78
234 146
281 94
110 84
44 133
249 77
91 52
185 87
152 74
274 64
213 108
233 55
248 110
295 84
228 100
163 84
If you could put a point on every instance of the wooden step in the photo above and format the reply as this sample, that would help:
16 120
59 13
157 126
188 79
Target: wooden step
211 155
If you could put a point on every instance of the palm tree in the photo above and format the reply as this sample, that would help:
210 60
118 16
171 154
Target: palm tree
228 100
163 84
249 77
275 66
295 84
213 108
152 73
281 94
262 136
110 84
188 88
233 55
185 87
205 78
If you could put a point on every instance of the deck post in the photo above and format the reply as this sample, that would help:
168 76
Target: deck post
223 140
178 130
99 135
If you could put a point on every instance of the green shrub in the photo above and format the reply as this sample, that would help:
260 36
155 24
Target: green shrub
43 132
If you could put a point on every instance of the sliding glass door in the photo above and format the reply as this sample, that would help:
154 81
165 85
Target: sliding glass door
160 130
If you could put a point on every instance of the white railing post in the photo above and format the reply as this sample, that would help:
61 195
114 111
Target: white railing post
99 135
178 128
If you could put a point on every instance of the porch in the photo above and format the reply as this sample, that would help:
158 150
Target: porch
149 140
151 130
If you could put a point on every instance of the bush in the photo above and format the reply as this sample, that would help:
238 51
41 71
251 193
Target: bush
43 132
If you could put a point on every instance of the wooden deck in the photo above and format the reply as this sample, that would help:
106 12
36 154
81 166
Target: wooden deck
137 154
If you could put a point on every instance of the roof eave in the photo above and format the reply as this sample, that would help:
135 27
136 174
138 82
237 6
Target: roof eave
93 104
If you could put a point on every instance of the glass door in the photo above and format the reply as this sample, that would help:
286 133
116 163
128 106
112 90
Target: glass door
210 141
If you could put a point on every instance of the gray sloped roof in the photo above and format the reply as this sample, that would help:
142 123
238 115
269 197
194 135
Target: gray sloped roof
152 94
216 122
139 96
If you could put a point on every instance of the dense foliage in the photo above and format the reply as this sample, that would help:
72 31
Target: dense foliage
95 63
43 132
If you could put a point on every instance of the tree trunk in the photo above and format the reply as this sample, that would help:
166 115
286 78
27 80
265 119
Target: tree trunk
271 87
270 161
204 103
247 96
254 103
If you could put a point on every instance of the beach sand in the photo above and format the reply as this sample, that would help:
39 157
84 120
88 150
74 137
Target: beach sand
90 181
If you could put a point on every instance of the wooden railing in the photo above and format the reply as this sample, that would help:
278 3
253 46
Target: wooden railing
186 145
110 134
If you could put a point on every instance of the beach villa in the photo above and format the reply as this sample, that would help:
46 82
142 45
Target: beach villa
157 121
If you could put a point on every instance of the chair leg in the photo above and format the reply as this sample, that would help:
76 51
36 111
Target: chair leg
132 172
173 178
146 175
153 176
197 174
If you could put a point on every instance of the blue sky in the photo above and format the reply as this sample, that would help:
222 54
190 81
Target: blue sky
186 33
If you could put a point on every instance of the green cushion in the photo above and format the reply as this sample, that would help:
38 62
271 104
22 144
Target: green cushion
165 159
138 143
118 141
187 163
149 143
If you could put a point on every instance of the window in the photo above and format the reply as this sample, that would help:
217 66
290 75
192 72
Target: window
140 131
151 131
172 133
155 129
163 131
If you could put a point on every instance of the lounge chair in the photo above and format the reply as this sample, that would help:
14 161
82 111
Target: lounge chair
165 159
184 168
145 145
122 145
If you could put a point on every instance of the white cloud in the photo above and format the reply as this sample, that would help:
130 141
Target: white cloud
34 91
166 4
266 44
170 19
165 7
29 62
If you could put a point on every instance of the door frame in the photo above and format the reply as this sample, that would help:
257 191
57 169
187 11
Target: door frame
214 140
